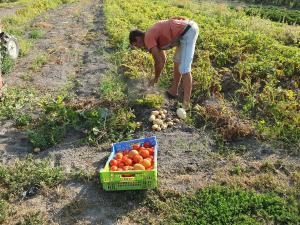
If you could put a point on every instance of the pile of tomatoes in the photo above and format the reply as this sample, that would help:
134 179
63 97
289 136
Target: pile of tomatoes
138 158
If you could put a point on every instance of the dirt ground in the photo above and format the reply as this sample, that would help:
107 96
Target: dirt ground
73 36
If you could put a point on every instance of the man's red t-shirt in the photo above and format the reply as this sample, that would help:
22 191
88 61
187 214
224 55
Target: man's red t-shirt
164 32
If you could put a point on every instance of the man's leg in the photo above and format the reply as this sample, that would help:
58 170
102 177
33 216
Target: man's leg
188 43
176 80
187 88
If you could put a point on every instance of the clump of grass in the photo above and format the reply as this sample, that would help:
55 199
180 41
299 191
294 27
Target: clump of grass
151 100
20 176
36 34
3 210
112 88
39 62
7 64
14 104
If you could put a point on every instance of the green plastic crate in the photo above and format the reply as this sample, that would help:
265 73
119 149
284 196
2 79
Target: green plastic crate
114 181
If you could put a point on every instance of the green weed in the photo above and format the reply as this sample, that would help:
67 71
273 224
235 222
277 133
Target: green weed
39 62
20 176
14 104
7 64
97 124
36 34
112 88
221 205
3 210
151 100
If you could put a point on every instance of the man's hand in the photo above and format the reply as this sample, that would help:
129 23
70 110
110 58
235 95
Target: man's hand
153 81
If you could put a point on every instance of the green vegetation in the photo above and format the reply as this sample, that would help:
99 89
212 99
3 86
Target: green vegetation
151 100
98 123
5 1
288 3
7 64
221 205
3 210
22 175
16 100
36 34
39 62
262 59
274 14
112 88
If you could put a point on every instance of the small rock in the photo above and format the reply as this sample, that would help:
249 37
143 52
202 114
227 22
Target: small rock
36 150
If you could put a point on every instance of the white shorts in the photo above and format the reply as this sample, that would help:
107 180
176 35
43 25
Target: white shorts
185 51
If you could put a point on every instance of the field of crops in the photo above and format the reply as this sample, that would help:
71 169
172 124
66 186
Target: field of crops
264 69
77 87
274 14
287 3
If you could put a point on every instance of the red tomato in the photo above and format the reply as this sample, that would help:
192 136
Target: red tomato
124 158
119 155
135 146
144 153
151 151
141 149
125 168
150 159
147 144
113 168
113 162
119 169
126 152
146 163
128 162
137 158
121 164
150 168
132 153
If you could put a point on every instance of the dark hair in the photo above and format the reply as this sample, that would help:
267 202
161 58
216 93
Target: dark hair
134 34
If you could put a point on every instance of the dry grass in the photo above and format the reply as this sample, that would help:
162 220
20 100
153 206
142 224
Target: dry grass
225 119
271 174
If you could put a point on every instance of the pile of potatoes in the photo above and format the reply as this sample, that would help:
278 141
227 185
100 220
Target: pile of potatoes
161 120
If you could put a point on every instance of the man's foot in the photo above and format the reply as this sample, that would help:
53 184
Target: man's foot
170 95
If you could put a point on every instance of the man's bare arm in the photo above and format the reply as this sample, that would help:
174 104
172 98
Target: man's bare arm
159 57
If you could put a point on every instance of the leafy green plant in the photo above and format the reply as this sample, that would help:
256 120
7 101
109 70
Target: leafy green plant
7 64
222 205
14 104
151 100
98 124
